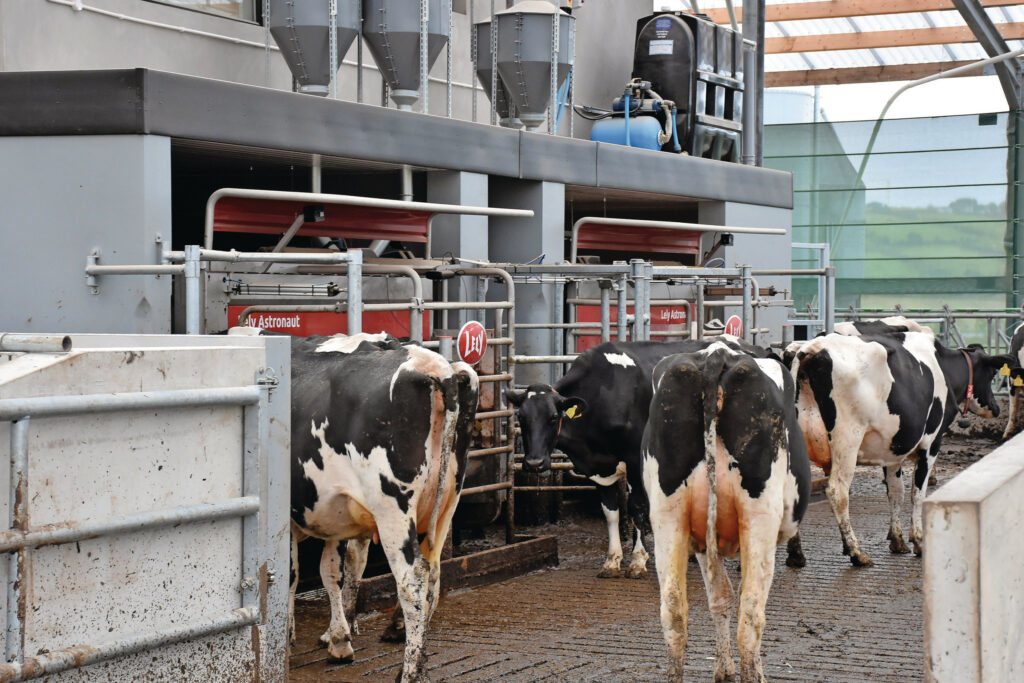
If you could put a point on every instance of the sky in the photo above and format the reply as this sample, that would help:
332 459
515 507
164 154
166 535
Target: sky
864 101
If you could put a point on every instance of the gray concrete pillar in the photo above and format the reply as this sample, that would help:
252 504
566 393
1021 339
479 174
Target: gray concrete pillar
522 240
464 236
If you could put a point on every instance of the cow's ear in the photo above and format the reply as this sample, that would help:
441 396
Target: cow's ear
572 407
514 397
1000 362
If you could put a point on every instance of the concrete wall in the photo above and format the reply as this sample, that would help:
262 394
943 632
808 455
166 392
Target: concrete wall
44 35
974 572
62 196
81 470
759 251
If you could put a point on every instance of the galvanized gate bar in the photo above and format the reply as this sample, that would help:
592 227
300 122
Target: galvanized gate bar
18 539
52 406
207 512
83 655
18 519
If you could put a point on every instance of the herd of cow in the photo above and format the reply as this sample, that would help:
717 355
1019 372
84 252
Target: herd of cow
713 437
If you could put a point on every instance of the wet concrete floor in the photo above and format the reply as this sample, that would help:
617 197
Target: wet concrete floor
826 622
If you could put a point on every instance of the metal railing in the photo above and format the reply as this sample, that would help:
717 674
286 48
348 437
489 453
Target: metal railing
21 537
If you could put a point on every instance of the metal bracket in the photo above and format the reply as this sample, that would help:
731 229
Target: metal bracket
247 583
266 377
93 259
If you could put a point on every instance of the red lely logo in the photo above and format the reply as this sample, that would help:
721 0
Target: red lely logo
734 326
472 342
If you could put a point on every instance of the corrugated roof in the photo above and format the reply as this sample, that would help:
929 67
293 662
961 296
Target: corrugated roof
880 57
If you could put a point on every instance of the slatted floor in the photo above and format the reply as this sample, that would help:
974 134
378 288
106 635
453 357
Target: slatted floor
826 622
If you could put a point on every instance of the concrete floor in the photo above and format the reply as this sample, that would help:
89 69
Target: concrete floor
826 622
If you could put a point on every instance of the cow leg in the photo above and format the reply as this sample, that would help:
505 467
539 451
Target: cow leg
672 546
412 574
892 475
925 463
795 552
844 461
355 564
1011 422
757 553
337 636
293 586
720 604
610 508
637 506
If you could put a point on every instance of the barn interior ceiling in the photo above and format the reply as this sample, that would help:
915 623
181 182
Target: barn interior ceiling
826 42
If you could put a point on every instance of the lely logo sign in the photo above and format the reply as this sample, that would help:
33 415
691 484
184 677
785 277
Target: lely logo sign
472 342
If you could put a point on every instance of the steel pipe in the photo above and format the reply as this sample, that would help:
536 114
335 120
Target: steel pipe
526 360
80 656
491 414
17 563
487 487
16 539
193 291
29 343
154 269
52 406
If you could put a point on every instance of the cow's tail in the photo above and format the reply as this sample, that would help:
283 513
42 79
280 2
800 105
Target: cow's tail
448 389
711 398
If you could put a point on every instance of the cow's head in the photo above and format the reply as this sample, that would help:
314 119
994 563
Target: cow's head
985 368
541 413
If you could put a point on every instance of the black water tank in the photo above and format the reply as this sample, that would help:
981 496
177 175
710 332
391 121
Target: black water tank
698 65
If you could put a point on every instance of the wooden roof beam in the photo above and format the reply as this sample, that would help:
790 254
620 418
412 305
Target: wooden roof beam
879 39
867 74
831 9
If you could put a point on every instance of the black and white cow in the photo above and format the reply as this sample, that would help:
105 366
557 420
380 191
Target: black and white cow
726 472
596 414
891 325
380 433
876 400
1016 382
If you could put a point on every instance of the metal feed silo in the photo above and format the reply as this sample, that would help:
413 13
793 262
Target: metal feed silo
301 28
482 34
526 38
391 29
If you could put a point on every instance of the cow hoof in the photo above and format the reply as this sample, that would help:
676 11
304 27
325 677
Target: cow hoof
918 549
861 560
609 573
898 546
393 635
796 561
636 572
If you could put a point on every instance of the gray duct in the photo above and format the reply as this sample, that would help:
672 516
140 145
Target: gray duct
483 72
301 28
525 38
391 29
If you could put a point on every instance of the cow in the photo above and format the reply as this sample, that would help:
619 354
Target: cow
726 473
596 414
879 399
1016 371
892 325
380 434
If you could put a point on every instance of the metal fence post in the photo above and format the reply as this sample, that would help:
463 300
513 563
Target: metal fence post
17 562
636 266
698 310
830 299
648 282
193 307
620 314
355 291
606 312
748 318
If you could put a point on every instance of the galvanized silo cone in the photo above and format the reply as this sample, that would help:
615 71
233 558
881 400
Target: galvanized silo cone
301 28
482 31
525 41
392 32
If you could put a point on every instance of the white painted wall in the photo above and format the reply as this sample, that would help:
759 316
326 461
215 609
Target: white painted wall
974 572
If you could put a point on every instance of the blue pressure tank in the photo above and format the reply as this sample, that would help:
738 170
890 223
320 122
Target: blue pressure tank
642 132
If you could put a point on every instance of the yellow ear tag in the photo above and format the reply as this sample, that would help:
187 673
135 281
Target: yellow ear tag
1018 382
572 413
1005 370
